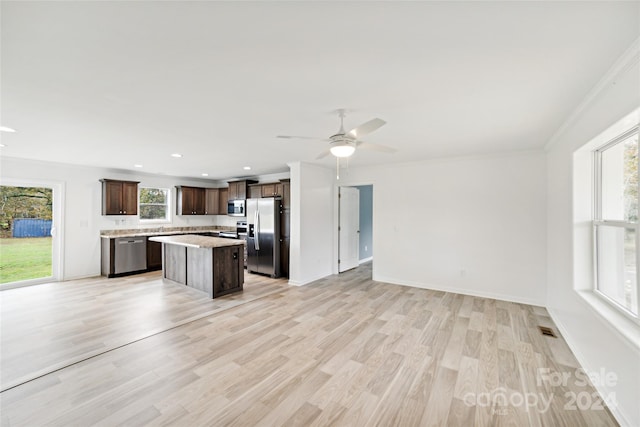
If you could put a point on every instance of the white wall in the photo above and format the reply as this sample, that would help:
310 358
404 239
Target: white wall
590 334
83 204
366 222
312 204
467 225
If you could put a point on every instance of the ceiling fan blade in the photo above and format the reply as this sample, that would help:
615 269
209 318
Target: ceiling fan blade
298 137
366 128
375 147
322 155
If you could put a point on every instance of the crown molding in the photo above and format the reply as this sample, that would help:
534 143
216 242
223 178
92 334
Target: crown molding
628 59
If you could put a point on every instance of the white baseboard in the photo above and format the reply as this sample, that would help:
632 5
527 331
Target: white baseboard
362 261
306 281
584 363
463 291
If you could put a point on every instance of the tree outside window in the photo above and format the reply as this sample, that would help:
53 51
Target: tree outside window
154 204
616 223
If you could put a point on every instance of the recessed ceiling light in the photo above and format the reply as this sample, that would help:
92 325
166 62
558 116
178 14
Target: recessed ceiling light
176 155
2 145
247 168
205 174
6 129
137 166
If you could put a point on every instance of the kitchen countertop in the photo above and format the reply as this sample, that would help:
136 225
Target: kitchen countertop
194 241
111 234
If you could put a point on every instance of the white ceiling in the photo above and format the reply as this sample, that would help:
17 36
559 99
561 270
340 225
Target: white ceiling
113 84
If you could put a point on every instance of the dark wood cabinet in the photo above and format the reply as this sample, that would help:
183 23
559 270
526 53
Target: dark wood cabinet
268 190
255 191
154 255
283 188
238 189
190 200
119 197
212 201
201 201
274 189
284 256
228 267
285 193
223 196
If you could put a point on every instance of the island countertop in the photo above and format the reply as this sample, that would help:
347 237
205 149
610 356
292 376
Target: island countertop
161 231
194 241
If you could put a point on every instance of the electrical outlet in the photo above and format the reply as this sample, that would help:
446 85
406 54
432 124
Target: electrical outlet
366 248
463 272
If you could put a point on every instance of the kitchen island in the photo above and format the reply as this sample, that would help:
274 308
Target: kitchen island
210 264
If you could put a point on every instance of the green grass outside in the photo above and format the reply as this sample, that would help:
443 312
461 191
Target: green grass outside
25 258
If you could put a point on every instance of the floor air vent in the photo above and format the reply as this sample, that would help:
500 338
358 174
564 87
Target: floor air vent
547 331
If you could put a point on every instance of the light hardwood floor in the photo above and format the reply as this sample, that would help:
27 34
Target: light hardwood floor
343 351
51 326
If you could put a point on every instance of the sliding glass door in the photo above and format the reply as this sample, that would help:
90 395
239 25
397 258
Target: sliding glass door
29 243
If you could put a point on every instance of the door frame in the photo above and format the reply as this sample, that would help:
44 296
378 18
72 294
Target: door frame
57 265
341 226
336 219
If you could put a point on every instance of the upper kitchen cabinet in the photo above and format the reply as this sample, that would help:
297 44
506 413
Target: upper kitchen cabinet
238 190
269 190
119 197
212 201
224 198
190 200
255 191
273 189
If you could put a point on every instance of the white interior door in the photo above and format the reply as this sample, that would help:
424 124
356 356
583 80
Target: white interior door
349 228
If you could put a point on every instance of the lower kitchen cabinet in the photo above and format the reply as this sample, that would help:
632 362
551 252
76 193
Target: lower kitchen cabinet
217 271
154 255
228 267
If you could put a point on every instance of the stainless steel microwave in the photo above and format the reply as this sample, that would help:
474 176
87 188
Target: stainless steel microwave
236 208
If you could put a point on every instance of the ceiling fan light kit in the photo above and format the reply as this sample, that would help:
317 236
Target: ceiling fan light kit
342 150
343 144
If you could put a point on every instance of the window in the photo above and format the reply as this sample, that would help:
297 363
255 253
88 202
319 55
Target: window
154 204
616 221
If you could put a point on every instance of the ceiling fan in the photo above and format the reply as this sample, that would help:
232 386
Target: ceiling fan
344 144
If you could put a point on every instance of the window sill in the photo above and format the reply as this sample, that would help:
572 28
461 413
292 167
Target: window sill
620 323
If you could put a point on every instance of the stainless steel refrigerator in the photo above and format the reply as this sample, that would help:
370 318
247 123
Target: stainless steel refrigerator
263 236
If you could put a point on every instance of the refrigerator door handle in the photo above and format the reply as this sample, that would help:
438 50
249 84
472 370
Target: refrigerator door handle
256 240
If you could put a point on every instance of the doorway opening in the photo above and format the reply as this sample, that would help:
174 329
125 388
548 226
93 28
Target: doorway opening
355 226
29 246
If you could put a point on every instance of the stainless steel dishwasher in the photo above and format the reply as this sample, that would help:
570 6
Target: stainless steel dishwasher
130 254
